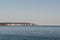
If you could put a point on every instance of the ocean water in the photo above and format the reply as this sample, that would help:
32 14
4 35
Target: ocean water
29 33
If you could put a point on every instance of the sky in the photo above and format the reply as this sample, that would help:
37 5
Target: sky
36 11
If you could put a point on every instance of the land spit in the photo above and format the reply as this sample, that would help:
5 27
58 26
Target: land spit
17 24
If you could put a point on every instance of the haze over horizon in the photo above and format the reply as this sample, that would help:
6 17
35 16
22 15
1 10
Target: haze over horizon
36 11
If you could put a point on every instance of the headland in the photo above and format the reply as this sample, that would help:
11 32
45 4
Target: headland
17 24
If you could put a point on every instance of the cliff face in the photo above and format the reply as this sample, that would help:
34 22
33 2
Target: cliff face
17 24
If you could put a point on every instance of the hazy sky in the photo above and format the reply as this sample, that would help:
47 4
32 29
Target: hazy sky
38 11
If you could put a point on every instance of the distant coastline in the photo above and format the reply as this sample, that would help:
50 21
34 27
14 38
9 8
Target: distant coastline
17 24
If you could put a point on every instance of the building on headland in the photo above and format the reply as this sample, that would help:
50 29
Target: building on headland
17 24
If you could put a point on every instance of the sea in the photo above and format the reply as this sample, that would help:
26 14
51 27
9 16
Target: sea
29 33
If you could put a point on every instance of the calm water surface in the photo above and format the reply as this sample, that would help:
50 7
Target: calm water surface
29 33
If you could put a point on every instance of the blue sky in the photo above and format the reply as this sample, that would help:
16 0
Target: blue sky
39 11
